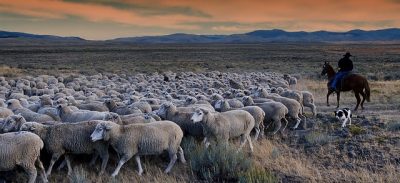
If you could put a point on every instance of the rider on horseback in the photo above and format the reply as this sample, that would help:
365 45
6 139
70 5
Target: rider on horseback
345 66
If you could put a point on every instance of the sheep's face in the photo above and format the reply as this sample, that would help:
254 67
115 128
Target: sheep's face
162 112
101 132
13 104
218 104
198 115
30 127
12 123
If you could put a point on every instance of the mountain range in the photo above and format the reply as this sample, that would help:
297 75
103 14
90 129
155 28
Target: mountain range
258 36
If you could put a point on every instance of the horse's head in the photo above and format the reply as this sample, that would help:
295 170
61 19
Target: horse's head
325 68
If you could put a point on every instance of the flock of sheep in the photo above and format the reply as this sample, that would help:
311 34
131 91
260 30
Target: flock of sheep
139 115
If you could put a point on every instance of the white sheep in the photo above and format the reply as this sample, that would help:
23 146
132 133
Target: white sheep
141 139
257 113
22 149
69 138
226 125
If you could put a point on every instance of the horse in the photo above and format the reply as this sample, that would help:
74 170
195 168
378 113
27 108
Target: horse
352 82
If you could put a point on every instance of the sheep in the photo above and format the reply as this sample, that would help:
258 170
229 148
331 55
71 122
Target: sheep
92 106
257 113
22 149
4 112
181 116
308 101
68 115
224 126
13 123
69 138
29 115
293 94
143 106
144 139
121 110
33 107
294 109
275 112
125 120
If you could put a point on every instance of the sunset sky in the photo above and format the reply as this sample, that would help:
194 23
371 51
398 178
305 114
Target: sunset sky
105 19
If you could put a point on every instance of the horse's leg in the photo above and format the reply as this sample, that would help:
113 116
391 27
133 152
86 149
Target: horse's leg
362 102
338 99
327 97
357 94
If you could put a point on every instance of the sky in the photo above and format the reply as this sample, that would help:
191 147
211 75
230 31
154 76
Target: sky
107 19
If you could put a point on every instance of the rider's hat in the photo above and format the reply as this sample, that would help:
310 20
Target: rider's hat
347 54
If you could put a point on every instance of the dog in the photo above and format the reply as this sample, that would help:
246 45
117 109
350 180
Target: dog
343 115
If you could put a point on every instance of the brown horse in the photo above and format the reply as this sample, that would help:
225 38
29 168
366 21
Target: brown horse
355 82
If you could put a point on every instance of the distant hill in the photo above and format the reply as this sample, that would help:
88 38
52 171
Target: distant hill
274 35
258 36
20 35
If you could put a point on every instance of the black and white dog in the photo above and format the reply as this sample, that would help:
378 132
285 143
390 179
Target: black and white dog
343 115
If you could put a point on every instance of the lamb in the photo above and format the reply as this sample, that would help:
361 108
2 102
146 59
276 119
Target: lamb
144 139
257 113
293 94
29 115
181 116
69 138
68 115
22 149
226 125
275 112
233 103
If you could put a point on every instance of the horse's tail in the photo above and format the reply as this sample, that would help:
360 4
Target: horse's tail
367 91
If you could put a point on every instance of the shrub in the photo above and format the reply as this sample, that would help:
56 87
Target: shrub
318 138
79 175
218 163
356 130
393 126
257 175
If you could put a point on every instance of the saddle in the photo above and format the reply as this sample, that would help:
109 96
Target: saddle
339 83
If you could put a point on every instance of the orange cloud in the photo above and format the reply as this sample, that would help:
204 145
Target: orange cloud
218 16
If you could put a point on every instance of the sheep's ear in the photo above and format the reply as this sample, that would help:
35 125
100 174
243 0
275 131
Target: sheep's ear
32 128
205 111
19 117
107 127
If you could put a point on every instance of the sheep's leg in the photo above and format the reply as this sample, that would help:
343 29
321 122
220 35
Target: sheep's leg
349 121
277 125
42 172
250 143
62 165
173 158
304 124
53 160
104 161
31 171
67 159
262 129
121 162
94 159
139 164
257 133
242 142
181 155
298 120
